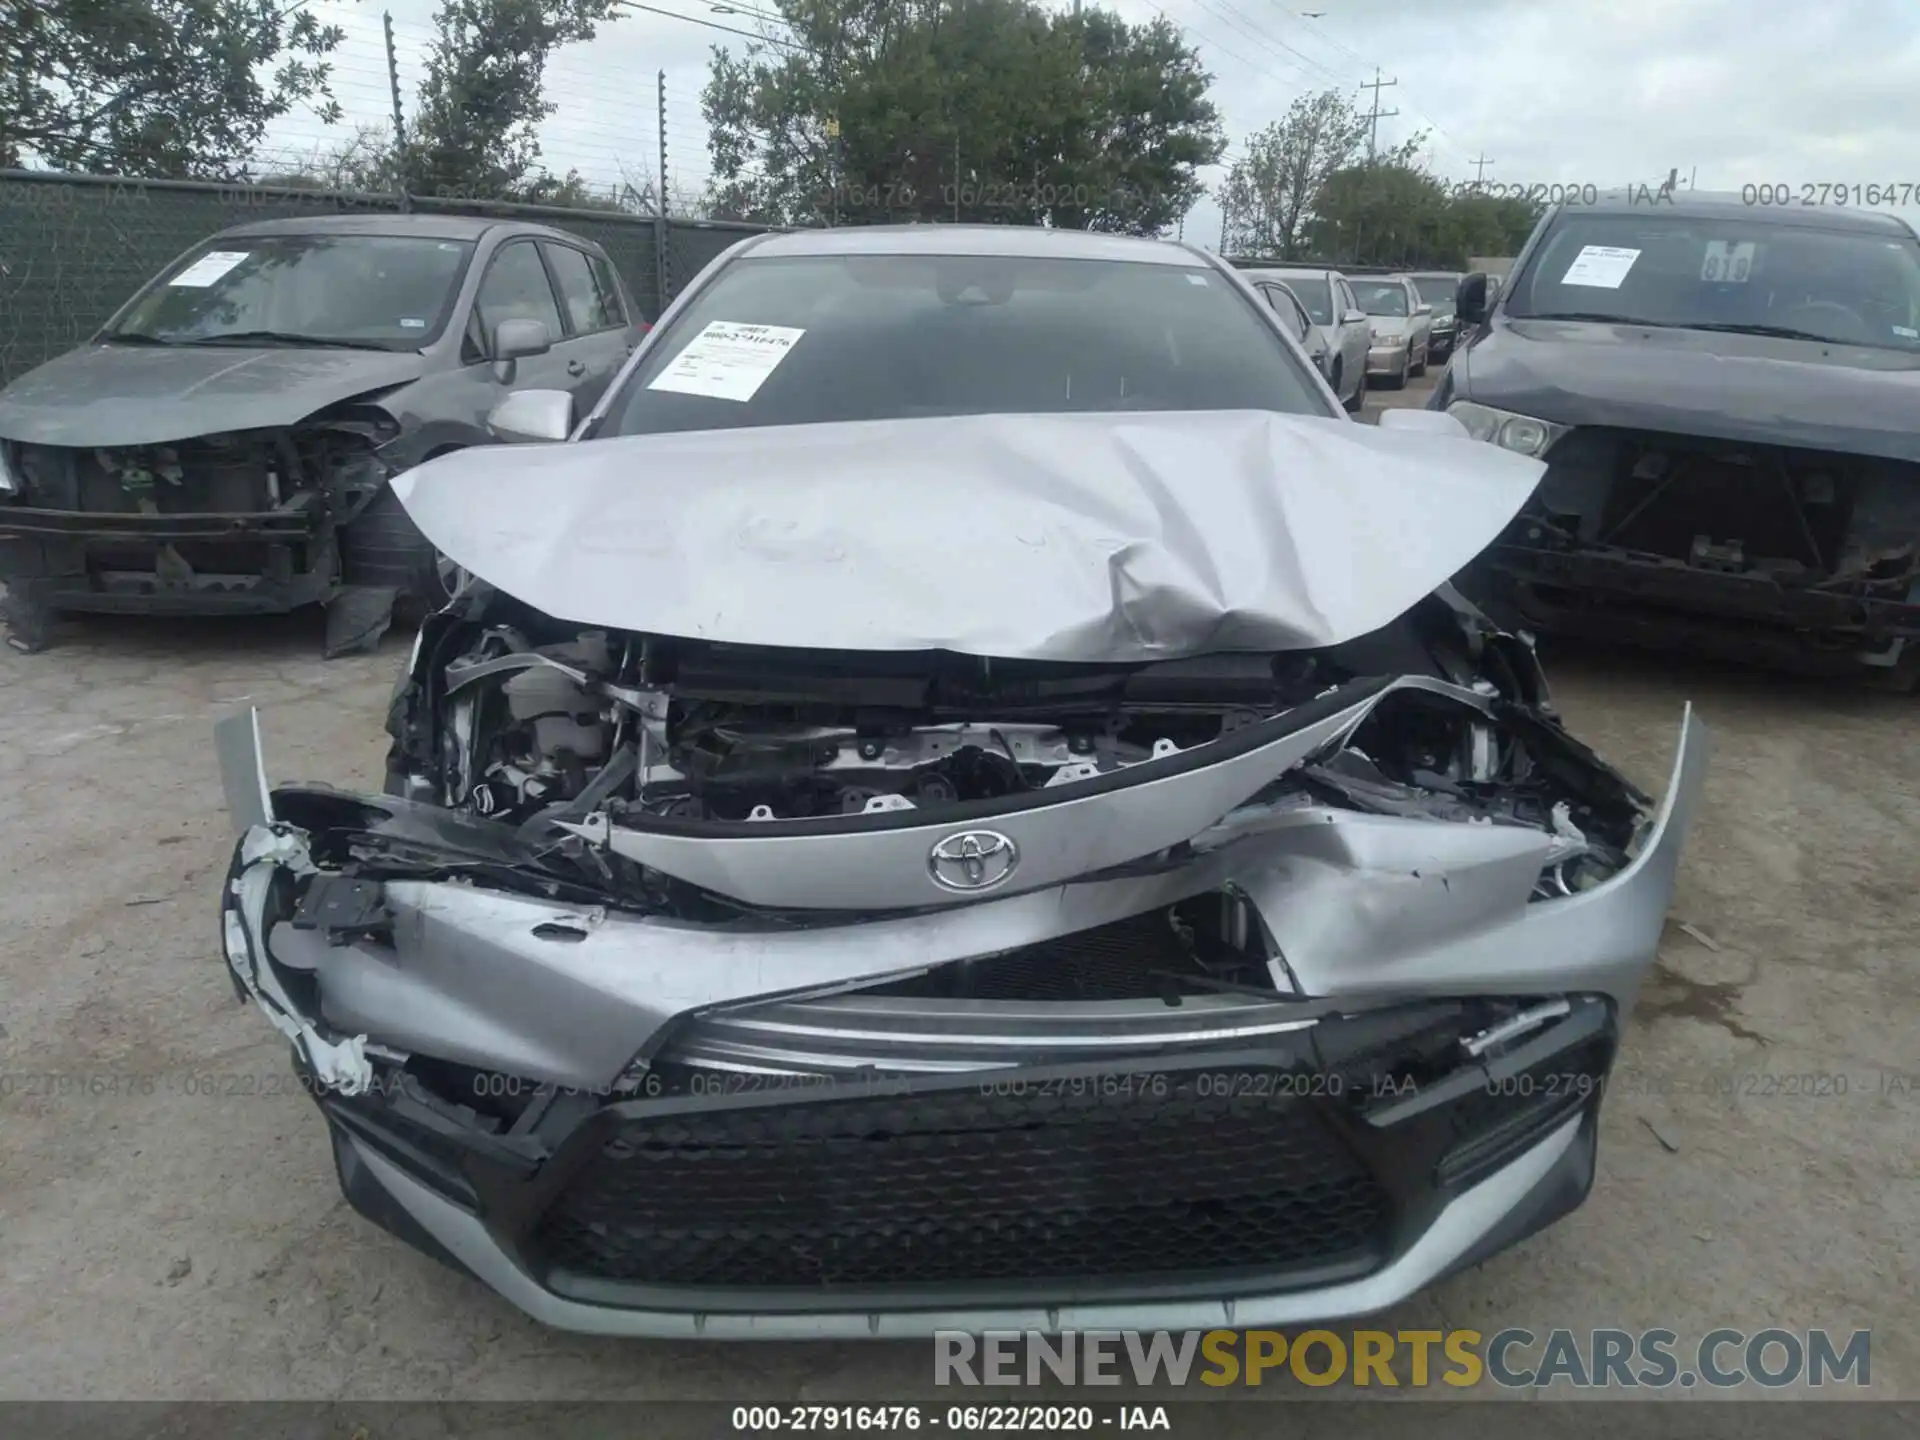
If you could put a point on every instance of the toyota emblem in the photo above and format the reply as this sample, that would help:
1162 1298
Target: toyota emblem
972 860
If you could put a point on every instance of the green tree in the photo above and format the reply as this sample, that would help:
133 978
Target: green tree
1271 191
156 88
1492 225
1383 215
482 98
977 110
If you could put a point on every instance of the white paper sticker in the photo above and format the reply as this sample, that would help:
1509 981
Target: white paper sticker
208 268
1907 332
728 360
1602 266
411 324
1196 279
1728 264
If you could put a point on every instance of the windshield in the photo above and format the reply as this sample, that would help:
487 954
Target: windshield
1380 297
1439 291
388 292
1847 287
1312 293
807 339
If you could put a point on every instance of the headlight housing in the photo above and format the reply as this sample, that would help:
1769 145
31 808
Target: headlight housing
1521 434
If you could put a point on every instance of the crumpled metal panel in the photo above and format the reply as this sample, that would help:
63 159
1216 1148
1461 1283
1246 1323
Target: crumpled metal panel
1110 538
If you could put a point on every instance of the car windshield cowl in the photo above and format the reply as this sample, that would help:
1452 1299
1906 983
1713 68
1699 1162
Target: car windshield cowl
283 338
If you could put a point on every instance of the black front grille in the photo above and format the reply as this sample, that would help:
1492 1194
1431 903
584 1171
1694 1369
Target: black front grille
1179 1174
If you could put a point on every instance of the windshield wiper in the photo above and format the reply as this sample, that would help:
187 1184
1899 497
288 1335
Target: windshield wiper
284 337
138 337
1778 332
1597 318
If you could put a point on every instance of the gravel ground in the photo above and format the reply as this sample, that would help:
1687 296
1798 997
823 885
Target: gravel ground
183 1244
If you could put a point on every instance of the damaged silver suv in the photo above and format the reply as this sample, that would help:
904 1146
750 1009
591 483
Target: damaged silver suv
959 797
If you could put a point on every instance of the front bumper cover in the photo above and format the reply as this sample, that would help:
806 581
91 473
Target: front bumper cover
554 1211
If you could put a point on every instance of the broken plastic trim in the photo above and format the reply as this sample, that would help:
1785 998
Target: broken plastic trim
264 852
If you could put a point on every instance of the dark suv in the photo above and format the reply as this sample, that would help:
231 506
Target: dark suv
1725 397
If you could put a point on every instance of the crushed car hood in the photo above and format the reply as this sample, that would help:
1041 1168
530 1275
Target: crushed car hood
1755 388
110 395
1111 538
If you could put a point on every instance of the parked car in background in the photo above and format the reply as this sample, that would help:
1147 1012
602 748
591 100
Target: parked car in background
1725 396
1299 324
1440 289
1329 303
1399 325
939 737
224 443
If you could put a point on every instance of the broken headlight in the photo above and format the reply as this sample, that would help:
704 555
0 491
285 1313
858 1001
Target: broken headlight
1520 433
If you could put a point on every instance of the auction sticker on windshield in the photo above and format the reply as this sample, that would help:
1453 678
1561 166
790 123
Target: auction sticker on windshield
728 360
208 268
1601 266
1730 263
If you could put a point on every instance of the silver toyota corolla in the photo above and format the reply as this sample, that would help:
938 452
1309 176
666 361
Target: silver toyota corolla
959 798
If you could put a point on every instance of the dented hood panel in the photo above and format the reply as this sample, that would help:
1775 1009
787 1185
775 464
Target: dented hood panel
1110 538
113 395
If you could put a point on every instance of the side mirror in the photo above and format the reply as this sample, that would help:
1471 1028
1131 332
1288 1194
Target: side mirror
532 414
515 339
1427 422
1471 306
1423 309
1354 317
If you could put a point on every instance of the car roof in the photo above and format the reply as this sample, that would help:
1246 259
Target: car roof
1294 272
1726 204
426 227
1022 241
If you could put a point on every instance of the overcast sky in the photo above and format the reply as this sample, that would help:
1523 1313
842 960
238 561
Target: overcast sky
1607 92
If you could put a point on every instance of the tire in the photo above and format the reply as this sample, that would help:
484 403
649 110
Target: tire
383 547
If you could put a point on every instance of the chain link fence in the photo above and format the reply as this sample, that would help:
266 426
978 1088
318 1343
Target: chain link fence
73 248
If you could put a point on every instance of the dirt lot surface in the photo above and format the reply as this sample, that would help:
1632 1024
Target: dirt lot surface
180 1234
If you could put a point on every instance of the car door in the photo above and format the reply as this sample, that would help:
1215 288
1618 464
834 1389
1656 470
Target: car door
599 337
517 286
1419 327
1354 336
1299 324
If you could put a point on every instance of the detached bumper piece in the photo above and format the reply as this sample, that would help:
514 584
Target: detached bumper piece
1327 1171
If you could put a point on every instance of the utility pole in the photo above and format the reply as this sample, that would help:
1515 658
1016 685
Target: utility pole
1376 114
1223 227
663 144
1480 164
399 125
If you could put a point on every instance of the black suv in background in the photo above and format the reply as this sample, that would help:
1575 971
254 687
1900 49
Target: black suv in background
1725 396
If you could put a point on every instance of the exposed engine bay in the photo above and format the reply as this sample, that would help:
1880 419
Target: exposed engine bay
1740 536
330 457
537 725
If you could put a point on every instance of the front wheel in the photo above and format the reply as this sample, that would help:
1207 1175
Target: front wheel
384 548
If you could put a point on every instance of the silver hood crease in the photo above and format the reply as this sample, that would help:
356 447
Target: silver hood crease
1045 537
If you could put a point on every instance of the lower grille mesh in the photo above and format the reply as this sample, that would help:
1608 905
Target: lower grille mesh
1075 1180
